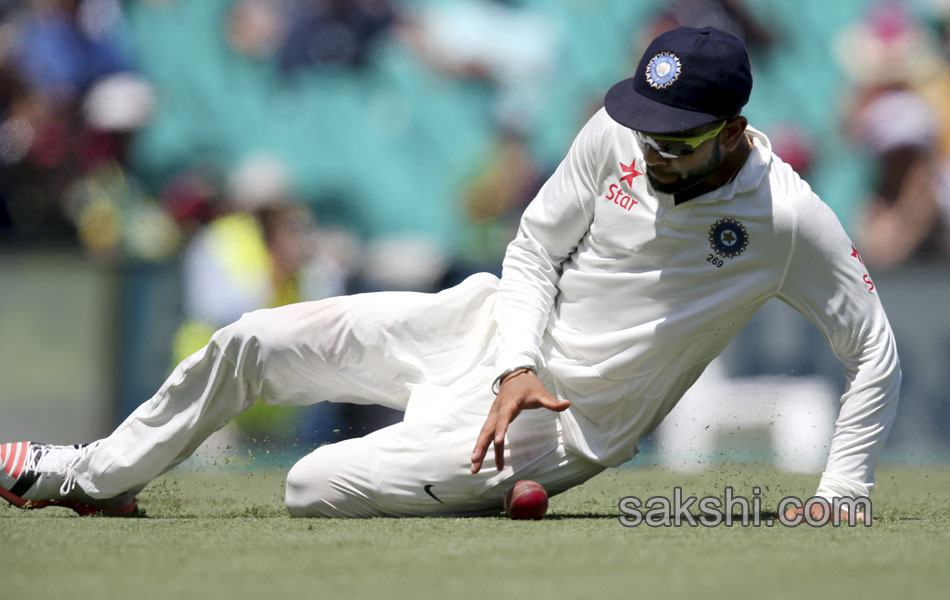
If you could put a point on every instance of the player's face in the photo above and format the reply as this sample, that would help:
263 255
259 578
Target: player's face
671 175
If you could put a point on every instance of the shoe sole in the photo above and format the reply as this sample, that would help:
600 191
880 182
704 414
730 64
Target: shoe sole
83 510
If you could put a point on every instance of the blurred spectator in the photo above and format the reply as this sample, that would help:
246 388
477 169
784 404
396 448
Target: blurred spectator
191 197
793 145
493 201
257 28
406 262
889 56
936 89
65 45
263 250
16 132
113 213
502 42
115 108
252 255
334 32
70 107
727 15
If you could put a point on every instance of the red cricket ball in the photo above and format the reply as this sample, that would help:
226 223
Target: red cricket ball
526 500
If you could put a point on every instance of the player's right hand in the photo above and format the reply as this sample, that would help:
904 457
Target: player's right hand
524 391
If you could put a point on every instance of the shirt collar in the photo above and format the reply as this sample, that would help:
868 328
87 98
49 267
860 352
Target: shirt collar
749 176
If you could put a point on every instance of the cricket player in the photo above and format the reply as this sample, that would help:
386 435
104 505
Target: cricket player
666 227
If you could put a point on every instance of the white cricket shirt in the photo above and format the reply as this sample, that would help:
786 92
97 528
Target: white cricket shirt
624 297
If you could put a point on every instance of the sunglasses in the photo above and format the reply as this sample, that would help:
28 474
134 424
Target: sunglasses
669 146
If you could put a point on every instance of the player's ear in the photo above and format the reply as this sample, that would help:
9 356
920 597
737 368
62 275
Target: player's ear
732 132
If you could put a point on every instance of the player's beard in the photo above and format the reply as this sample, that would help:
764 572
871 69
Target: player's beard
691 178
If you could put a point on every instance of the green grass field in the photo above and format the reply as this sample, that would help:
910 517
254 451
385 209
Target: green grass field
223 534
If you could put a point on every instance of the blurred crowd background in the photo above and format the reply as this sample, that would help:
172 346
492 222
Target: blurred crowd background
166 165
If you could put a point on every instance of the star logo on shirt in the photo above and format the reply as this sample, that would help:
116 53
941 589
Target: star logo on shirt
855 254
631 172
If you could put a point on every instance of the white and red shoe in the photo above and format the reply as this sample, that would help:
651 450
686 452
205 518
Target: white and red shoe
39 475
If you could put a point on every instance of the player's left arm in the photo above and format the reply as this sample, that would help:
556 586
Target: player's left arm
826 280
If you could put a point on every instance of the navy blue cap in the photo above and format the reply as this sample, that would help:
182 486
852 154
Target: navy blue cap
686 78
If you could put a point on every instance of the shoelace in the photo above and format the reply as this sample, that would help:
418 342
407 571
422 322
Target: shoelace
60 460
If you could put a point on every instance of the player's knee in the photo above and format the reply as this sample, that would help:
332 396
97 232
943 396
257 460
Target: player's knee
318 486
253 337
303 490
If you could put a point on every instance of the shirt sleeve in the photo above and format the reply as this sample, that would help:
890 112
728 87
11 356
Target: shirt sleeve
550 231
827 282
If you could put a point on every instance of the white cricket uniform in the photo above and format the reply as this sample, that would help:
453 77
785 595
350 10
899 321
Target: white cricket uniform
646 293
617 296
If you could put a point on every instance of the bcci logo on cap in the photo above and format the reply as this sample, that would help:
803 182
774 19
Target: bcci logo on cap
728 237
663 69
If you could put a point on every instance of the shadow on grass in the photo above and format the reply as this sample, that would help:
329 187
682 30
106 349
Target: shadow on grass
698 517
589 515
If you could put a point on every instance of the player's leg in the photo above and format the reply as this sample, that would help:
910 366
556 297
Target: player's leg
421 467
38 475
369 477
370 348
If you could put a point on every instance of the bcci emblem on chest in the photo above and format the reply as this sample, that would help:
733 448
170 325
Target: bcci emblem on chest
728 238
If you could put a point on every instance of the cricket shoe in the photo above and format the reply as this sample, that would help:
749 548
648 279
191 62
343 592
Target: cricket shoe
39 475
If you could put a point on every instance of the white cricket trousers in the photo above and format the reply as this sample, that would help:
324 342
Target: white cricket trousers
431 355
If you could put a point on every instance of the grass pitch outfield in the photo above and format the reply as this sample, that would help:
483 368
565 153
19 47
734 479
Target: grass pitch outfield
226 535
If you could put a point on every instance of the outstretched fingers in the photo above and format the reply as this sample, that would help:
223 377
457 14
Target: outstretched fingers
516 394
484 439
493 432
501 430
